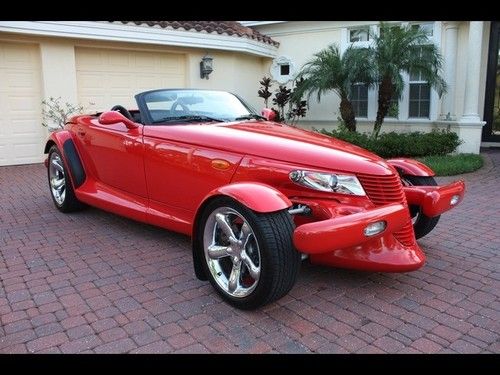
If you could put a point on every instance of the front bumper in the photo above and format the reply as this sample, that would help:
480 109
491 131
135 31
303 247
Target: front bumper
347 231
434 200
340 240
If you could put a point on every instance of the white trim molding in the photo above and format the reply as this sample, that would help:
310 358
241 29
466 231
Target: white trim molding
259 23
275 69
119 32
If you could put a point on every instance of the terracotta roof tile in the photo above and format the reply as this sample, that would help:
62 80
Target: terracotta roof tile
219 27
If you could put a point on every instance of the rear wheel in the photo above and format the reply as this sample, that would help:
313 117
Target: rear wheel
60 186
248 257
422 224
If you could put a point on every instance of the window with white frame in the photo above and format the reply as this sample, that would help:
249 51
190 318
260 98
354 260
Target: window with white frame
415 102
427 27
282 69
420 96
359 99
361 34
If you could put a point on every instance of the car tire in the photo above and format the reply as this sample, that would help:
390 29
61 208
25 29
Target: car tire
61 189
422 224
265 239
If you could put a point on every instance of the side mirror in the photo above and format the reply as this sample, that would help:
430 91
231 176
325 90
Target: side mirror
115 117
268 114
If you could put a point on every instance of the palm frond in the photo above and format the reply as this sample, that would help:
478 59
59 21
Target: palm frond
329 70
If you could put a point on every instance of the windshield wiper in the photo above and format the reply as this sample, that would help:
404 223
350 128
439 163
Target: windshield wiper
189 118
250 116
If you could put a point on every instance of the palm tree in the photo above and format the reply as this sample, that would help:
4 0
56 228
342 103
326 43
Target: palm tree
400 50
328 70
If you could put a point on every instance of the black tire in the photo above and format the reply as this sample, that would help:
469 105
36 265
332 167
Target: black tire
279 261
70 202
423 224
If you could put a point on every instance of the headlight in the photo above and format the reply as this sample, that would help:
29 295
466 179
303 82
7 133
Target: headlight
330 182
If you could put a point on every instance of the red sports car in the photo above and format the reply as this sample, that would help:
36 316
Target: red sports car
256 196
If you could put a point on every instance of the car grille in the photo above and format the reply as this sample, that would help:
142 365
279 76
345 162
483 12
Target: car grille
384 190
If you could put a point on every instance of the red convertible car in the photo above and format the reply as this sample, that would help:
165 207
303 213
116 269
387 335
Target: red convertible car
256 196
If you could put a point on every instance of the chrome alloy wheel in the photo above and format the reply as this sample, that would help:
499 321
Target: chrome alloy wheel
57 178
232 252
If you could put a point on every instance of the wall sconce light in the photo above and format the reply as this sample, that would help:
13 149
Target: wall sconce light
206 66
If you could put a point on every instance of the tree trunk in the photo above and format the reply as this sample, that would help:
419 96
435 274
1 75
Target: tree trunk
347 114
385 93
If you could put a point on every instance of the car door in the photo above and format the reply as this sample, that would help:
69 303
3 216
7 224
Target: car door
115 153
180 174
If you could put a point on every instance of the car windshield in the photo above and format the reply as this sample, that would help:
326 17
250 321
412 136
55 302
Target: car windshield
167 106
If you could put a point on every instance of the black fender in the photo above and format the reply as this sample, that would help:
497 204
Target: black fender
62 139
75 165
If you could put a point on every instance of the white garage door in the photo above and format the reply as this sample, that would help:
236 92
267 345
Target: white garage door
21 132
109 77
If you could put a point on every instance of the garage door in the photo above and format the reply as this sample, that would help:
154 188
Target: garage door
109 77
21 132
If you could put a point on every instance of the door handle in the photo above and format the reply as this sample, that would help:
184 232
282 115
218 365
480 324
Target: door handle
81 132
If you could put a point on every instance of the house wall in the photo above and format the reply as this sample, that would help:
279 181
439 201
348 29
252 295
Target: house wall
233 71
300 40
57 71
240 72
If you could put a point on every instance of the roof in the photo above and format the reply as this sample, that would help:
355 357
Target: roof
219 27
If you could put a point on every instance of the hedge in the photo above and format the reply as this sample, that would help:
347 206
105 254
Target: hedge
390 145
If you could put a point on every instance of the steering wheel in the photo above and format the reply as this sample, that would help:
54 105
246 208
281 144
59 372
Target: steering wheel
183 106
124 111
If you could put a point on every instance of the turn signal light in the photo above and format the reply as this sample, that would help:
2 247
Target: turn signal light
375 228
454 200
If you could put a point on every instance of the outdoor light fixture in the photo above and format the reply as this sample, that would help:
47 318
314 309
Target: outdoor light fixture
206 66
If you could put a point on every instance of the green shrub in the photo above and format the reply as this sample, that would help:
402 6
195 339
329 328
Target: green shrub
390 145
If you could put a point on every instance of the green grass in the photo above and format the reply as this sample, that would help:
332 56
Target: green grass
449 165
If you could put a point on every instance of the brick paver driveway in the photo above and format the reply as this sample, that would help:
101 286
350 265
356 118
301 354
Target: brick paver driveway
95 282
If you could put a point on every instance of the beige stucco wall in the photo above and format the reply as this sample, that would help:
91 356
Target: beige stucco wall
240 73
233 71
300 40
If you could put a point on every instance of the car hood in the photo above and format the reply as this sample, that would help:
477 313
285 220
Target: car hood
276 141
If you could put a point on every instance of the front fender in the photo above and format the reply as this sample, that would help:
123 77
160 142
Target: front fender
411 167
256 196
64 142
58 138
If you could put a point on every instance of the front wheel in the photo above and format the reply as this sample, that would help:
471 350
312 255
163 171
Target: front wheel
248 257
60 186
422 224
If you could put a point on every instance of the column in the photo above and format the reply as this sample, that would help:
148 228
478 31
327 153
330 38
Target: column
471 101
450 70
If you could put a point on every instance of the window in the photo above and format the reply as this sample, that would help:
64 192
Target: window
359 99
428 28
285 69
359 35
420 96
